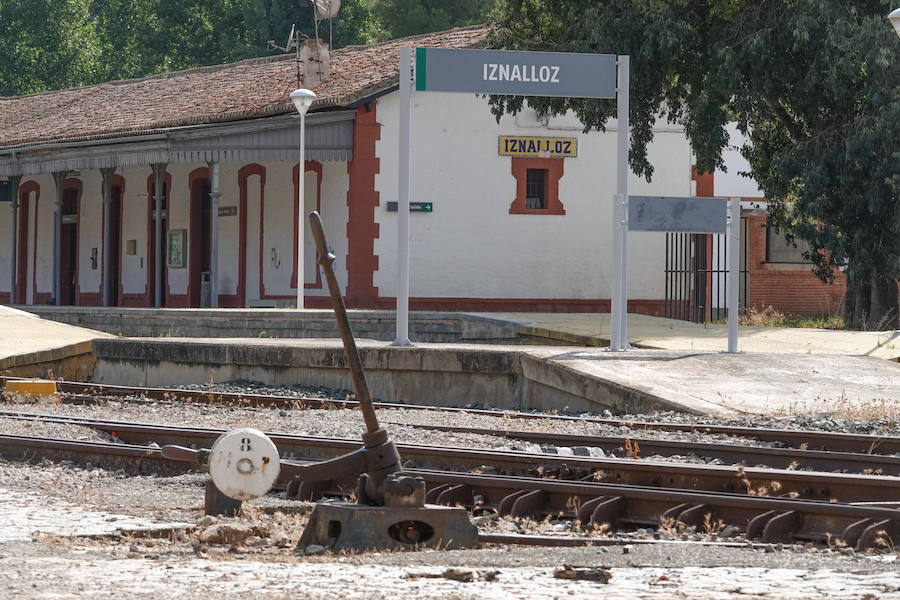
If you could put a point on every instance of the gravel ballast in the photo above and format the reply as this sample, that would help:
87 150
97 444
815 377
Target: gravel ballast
118 536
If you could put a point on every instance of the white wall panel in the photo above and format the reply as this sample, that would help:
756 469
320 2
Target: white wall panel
134 227
229 229
178 217
90 232
6 249
470 246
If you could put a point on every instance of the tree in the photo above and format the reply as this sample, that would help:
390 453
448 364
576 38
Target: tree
814 84
47 45
401 18
153 36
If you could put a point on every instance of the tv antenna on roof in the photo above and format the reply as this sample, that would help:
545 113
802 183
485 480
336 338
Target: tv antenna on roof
325 9
289 45
293 42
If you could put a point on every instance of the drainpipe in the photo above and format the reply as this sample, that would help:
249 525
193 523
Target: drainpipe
14 262
107 174
214 195
60 178
159 171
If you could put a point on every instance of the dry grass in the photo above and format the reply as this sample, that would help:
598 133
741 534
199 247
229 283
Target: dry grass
772 317
842 407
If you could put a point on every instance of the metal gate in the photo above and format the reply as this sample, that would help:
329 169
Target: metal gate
696 271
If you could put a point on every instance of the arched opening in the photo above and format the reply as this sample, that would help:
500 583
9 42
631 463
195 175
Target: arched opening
200 235
68 247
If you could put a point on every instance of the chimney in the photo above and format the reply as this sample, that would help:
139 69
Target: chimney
316 61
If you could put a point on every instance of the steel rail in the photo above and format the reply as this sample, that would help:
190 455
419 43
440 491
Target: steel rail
775 458
773 482
795 438
592 504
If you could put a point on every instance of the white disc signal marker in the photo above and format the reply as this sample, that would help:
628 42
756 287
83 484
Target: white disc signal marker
244 464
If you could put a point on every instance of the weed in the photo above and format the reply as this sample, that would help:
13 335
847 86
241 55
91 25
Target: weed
769 316
632 449
710 527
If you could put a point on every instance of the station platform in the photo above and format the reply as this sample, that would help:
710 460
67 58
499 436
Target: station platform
545 361
34 347
592 329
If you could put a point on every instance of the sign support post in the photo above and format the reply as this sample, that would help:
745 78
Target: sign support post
402 324
618 317
733 284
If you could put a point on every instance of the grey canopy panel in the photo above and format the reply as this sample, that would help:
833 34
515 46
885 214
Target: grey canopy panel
329 137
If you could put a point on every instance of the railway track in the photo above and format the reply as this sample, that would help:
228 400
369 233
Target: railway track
747 480
810 440
767 504
593 504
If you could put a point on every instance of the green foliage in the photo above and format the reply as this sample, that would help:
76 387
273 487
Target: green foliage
52 44
152 36
47 44
815 84
401 18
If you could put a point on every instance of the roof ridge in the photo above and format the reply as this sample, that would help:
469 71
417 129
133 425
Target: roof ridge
410 38
157 76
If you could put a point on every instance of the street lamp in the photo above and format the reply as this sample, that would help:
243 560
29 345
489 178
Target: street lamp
895 19
302 100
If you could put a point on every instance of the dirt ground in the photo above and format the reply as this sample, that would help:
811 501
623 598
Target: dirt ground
71 532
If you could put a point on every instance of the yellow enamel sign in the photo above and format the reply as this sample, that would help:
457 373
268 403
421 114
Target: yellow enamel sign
538 147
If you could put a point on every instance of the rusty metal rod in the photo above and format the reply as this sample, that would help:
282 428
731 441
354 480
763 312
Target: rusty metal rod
325 260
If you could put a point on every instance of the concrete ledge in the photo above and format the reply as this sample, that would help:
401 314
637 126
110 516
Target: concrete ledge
280 323
536 377
461 375
75 362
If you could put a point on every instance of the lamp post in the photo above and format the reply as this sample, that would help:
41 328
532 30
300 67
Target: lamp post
895 19
302 99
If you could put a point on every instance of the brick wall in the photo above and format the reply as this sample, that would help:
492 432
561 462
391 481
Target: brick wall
794 291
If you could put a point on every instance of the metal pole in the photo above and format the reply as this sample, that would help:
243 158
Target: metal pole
733 284
60 178
402 338
301 180
619 297
214 195
159 194
14 260
107 175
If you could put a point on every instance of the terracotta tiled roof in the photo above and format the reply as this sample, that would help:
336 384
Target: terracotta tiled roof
251 88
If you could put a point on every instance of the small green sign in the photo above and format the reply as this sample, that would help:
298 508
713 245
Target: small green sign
413 206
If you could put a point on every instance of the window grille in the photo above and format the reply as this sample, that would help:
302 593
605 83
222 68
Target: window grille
536 189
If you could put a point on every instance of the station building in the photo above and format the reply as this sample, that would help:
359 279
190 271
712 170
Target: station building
502 226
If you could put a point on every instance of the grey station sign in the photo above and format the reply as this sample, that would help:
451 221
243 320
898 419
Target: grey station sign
680 214
516 72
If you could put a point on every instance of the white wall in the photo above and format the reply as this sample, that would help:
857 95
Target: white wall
134 227
178 217
470 246
90 231
6 248
730 182
335 214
